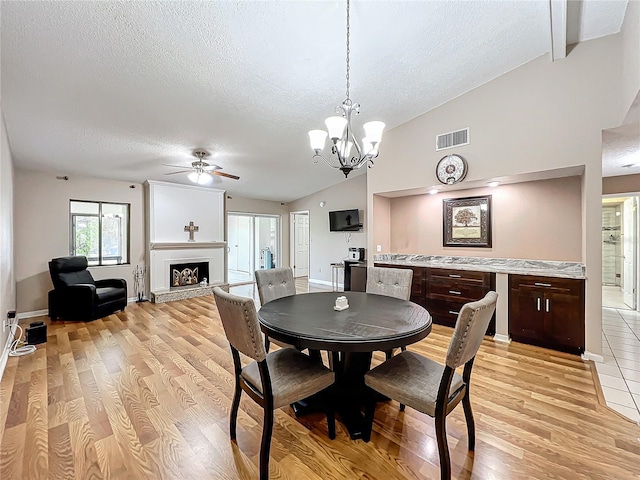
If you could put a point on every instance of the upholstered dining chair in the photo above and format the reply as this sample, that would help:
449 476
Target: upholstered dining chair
272 284
272 380
432 388
392 282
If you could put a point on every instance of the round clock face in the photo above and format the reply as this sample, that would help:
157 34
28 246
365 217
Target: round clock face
451 169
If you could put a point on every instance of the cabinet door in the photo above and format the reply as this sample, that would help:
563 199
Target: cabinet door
525 313
563 321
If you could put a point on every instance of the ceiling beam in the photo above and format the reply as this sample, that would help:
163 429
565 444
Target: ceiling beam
558 20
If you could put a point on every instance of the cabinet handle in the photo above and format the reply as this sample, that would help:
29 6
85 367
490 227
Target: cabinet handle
542 284
454 292
538 303
454 276
453 313
547 305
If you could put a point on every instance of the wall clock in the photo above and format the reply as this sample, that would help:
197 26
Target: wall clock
451 169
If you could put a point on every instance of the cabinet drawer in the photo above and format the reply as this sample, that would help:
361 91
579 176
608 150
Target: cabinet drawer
457 276
456 292
563 285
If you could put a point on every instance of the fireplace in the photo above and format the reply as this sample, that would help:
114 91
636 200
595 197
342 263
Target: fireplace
188 274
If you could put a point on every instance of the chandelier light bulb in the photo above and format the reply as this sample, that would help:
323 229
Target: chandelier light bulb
317 139
335 126
373 131
344 149
368 148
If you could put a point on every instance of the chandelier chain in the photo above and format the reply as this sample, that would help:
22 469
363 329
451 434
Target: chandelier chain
348 50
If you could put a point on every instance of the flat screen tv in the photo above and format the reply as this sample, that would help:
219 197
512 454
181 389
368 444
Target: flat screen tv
344 221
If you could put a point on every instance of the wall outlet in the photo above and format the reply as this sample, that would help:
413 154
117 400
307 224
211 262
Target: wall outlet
378 248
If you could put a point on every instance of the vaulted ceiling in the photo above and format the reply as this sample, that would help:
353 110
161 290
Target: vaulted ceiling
117 89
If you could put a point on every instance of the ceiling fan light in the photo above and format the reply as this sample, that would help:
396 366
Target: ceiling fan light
193 176
205 178
373 131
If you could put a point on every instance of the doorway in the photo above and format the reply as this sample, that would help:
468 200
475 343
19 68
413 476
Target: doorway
300 243
620 251
254 243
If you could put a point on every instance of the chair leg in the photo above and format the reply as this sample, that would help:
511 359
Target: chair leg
402 407
403 348
471 425
267 344
265 445
234 410
443 448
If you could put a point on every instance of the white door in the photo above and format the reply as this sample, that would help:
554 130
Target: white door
301 237
628 252
240 235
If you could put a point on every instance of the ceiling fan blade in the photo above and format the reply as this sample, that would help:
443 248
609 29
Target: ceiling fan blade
179 171
176 166
222 174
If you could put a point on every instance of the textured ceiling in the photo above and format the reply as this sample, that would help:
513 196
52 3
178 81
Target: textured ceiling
621 146
117 89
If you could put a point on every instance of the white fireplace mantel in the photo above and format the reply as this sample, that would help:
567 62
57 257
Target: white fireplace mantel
180 245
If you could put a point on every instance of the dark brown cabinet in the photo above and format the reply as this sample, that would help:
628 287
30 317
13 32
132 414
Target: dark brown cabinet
548 312
443 292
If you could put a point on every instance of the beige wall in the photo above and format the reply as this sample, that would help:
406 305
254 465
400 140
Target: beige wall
527 222
251 205
621 184
42 229
327 247
541 116
7 277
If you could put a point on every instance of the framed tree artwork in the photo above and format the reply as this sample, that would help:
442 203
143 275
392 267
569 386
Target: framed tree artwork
467 222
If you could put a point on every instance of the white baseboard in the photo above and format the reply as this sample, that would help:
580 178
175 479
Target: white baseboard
501 338
5 350
592 356
35 313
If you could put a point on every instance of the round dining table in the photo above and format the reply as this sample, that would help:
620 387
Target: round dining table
372 322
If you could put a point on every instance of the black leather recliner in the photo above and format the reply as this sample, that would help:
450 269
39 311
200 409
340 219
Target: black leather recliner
77 296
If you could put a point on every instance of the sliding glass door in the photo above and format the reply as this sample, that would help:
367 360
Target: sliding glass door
254 243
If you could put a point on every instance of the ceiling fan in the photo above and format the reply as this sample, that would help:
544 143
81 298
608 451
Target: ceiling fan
201 172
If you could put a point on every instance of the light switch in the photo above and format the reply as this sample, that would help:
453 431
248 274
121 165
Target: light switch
378 248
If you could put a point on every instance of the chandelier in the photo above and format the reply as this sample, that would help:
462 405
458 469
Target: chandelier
341 134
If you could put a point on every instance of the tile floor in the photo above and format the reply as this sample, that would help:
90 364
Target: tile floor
612 297
620 373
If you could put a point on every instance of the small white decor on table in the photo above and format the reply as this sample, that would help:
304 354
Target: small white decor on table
341 303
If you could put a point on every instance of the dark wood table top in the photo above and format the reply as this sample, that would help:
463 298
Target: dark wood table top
372 322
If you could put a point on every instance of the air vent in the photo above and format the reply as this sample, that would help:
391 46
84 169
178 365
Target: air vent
452 139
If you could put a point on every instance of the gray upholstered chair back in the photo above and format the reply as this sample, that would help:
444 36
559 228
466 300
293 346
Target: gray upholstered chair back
392 282
275 283
471 326
240 322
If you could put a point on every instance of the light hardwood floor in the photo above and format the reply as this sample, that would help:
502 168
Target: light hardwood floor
146 394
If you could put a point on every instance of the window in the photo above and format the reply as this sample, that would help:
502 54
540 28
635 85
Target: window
100 232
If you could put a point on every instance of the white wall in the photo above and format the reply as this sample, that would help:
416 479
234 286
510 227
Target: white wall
7 278
42 229
327 247
541 116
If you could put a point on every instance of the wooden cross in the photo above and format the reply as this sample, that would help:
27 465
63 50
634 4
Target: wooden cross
191 228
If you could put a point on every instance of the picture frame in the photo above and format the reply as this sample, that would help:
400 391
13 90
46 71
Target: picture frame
467 222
